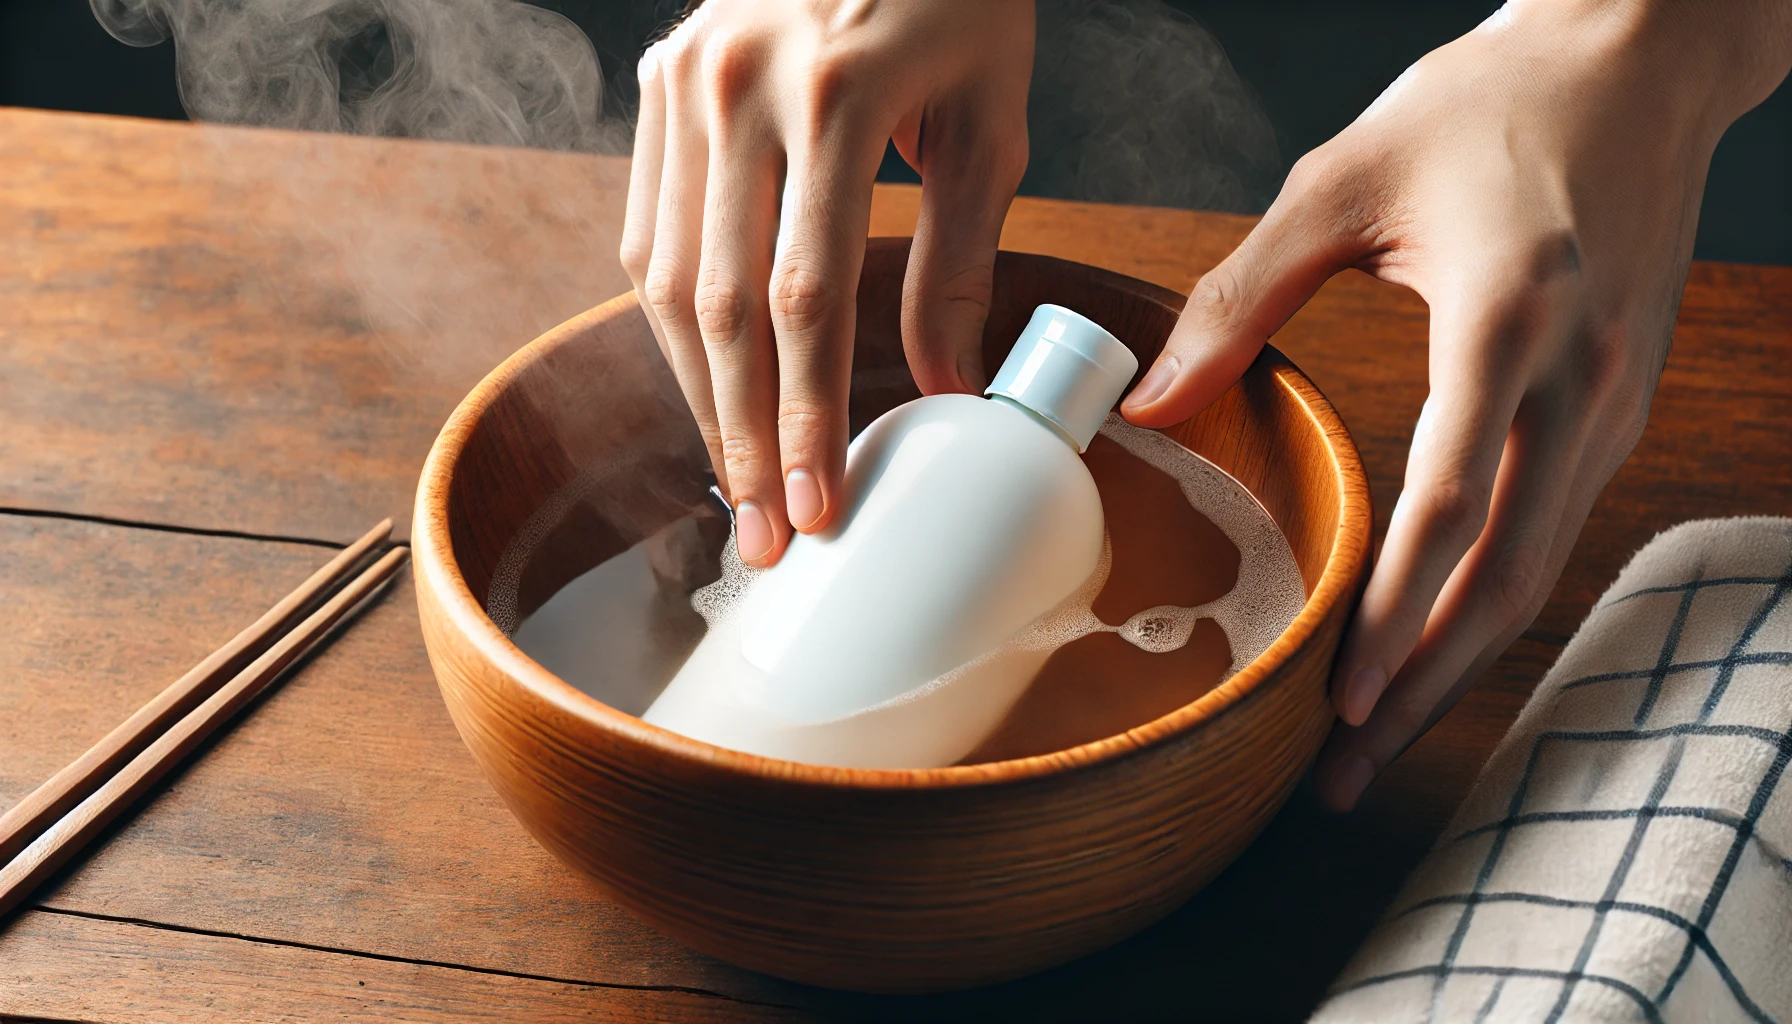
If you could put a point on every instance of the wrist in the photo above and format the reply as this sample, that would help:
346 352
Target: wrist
1711 60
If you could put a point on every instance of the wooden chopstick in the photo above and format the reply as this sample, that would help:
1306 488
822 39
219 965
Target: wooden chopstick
63 839
31 816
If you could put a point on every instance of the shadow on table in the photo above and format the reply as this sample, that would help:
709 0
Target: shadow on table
1260 943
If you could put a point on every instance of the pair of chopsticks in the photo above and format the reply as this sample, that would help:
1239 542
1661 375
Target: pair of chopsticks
60 817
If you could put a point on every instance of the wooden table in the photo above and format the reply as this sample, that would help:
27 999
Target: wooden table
222 350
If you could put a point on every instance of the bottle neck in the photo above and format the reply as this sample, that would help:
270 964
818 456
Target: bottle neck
1048 424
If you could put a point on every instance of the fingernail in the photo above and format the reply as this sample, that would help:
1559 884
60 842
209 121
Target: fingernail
802 497
1348 781
1361 693
1163 372
752 531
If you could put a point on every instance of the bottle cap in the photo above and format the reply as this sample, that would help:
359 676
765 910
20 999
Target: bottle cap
1068 369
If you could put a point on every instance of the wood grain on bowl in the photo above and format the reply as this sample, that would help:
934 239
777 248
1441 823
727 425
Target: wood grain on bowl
874 880
181 350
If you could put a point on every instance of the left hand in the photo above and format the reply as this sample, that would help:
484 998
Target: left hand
752 297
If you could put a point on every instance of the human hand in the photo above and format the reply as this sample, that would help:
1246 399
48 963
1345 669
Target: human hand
1537 182
754 305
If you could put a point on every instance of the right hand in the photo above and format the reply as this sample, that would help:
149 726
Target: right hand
1537 182
753 305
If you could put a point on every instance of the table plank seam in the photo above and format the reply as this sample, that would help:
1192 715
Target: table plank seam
196 531
1536 635
390 958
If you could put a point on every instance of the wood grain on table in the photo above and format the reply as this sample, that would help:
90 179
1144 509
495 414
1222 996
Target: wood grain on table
225 330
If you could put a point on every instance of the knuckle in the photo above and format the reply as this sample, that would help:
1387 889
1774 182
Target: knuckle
711 432
1554 258
1517 319
1456 505
828 85
1612 382
674 57
1333 193
742 454
636 252
731 63
723 307
1314 168
1526 299
801 297
1322 175
802 419
979 153
1215 298
968 289
651 64
663 288
1517 579
1407 716
712 438
1605 358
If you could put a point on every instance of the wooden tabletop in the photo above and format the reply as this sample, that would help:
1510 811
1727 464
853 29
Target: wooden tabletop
224 350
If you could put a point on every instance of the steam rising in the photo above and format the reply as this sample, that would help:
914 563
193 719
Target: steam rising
499 72
1133 102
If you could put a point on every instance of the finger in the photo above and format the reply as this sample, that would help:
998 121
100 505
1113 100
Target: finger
1613 422
739 221
814 307
644 185
970 170
1491 597
1490 340
1450 476
1308 235
670 282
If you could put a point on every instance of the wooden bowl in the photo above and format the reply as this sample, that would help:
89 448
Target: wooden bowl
884 881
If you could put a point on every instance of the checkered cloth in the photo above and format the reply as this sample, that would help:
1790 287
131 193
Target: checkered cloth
1624 855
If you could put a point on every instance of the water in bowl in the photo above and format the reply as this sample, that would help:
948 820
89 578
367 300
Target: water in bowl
1199 581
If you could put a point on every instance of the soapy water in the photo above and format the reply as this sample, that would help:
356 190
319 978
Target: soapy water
1268 594
581 625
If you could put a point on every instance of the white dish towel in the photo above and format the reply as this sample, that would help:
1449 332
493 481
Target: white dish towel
1624 855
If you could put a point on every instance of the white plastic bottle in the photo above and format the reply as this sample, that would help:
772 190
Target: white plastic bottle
967 520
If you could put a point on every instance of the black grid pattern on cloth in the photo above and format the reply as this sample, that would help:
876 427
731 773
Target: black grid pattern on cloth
1698 941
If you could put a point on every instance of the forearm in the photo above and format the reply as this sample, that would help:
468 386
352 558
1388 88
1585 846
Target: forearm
1746 45
1720 58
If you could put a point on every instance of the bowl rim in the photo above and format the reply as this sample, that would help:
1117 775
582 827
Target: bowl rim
436 570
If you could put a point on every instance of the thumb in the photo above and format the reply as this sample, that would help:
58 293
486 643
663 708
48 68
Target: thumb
1237 305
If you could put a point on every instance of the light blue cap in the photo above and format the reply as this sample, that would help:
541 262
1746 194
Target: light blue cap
1068 369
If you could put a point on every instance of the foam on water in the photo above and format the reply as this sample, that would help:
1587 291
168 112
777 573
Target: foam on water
625 632
1268 594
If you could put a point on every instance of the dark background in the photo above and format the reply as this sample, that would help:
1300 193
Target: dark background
1314 64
